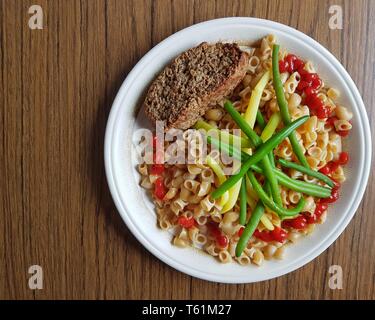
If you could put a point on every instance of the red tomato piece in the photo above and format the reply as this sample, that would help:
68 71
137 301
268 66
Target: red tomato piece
331 121
310 218
222 241
343 133
296 223
310 77
240 232
263 235
159 191
333 197
298 64
157 169
279 234
325 170
333 166
316 83
214 230
337 184
290 59
309 91
343 158
321 111
302 72
283 66
302 85
186 222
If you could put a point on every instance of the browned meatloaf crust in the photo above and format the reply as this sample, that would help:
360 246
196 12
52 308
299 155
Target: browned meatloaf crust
195 80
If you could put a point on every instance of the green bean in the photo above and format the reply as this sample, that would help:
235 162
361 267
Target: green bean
243 203
283 105
286 181
271 178
244 126
250 228
297 185
311 173
272 205
272 159
243 142
229 183
260 120
228 148
257 141
260 154
302 186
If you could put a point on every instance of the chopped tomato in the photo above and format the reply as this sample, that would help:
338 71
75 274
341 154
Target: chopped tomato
186 222
333 197
263 235
157 169
240 232
159 191
222 241
343 158
296 223
279 234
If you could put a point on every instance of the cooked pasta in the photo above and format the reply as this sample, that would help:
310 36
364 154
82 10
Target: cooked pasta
183 192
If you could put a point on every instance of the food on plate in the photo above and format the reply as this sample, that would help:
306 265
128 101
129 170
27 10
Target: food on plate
195 80
261 138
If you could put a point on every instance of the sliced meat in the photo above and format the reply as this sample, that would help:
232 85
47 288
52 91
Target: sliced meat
193 82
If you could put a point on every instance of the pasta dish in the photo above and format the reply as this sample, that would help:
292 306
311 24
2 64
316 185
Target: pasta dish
254 161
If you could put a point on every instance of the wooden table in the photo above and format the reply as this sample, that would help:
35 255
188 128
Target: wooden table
57 86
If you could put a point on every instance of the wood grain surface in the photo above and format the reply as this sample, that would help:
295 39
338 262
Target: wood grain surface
57 86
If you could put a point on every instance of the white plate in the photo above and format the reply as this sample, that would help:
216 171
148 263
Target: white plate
137 210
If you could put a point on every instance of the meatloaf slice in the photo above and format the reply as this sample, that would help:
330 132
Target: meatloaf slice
195 80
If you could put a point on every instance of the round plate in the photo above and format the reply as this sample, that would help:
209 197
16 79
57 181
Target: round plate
135 206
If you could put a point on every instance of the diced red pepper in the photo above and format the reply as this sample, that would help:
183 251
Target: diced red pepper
214 229
343 133
316 83
296 223
159 191
310 77
343 158
263 235
310 91
321 111
333 197
186 222
279 234
283 66
326 169
298 64
333 166
222 241
157 169
240 232
331 121
290 60
302 85
302 72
